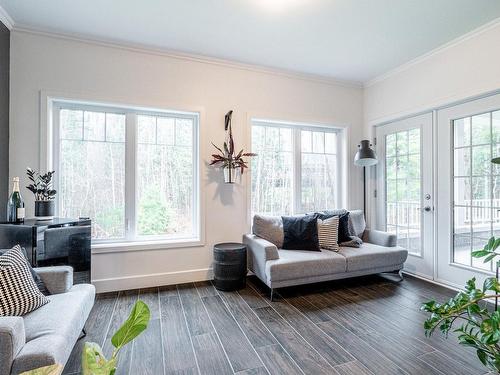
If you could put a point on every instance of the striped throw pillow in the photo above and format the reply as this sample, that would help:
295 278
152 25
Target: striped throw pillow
328 233
19 294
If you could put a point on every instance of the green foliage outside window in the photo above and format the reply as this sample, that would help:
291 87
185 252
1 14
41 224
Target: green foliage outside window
155 214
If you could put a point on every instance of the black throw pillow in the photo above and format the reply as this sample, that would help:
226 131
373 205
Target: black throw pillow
300 232
38 281
343 232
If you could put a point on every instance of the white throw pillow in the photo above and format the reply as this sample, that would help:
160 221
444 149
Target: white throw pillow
19 294
328 233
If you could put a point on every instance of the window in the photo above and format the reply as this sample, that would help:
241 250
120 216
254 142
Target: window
296 170
133 172
476 209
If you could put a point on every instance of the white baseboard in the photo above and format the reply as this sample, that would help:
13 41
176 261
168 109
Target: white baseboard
151 280
436 282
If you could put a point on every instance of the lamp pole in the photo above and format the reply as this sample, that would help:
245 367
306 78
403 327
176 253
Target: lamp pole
365 157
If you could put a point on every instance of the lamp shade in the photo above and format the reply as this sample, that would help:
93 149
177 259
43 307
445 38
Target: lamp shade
365 157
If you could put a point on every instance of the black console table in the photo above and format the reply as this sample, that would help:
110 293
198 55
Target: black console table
59 241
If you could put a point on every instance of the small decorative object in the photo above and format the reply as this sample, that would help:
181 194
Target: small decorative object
232 164
41 187
15 204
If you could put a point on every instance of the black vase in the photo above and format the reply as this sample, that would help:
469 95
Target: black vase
44 210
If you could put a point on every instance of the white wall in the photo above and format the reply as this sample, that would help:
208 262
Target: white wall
465 68
42 62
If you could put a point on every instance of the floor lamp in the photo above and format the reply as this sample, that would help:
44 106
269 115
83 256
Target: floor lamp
365 157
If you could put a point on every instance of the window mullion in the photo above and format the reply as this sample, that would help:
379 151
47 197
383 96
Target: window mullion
297 172
340 191
53 162
130 175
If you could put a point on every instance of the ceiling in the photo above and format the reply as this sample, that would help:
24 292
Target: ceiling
353 40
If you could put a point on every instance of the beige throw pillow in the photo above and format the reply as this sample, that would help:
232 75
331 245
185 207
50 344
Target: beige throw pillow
269 228
328 233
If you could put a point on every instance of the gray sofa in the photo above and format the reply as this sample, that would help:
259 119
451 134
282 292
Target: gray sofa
47 335
279 268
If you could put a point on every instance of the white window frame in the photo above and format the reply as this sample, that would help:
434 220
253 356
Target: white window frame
296 128
131 241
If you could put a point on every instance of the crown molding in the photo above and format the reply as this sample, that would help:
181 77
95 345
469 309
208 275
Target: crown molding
6 19
461 39
145 49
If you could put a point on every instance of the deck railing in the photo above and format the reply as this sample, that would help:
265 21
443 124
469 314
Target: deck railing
407 213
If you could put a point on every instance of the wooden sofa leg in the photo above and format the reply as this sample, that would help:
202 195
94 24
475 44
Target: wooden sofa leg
272 294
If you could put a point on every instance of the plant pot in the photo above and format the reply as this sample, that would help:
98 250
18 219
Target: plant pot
230 175
44 210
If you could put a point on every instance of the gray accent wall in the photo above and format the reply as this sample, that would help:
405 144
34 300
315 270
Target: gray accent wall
4 118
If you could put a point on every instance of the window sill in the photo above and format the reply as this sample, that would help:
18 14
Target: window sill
119 247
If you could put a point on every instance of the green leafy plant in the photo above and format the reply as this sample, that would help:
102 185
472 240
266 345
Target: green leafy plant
227 158
468 314
41 185
478 327
93 360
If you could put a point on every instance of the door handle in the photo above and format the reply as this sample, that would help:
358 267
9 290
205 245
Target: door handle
426 208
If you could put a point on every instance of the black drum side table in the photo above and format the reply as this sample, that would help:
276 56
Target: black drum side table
230 266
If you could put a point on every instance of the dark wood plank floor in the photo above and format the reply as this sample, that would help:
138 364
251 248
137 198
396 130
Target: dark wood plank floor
366 325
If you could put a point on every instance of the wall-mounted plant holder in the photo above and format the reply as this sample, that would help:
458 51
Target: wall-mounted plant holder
233 165
231 175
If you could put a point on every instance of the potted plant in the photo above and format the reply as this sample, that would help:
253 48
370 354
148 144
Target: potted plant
232 164
477 324
41 187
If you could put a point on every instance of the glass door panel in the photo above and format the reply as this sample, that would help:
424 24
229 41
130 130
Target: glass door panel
404 179
467 188
403 187
474 183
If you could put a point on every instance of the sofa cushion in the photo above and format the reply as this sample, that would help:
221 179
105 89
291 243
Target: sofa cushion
296 264
337 212
343 215
369 256
52 330
353 242
19 293
269 228
38 281
328 233
357 223
301 232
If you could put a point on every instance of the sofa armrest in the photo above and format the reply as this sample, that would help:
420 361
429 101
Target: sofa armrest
259 251
12 340
260 247
380 238
58 279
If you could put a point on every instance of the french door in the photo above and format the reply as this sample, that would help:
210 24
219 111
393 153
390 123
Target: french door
405 201
468 188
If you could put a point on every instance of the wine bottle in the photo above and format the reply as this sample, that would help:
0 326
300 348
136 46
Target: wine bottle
15 205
